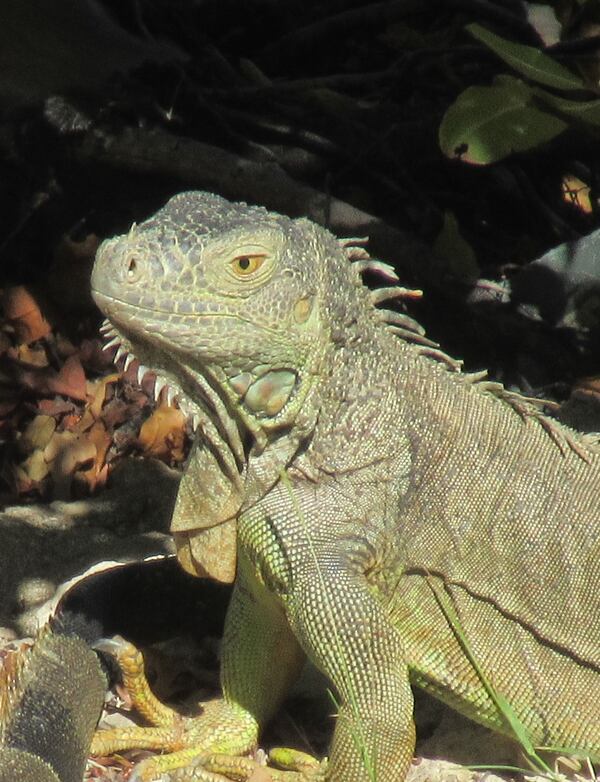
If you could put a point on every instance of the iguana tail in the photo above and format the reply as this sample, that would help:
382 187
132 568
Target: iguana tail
51 698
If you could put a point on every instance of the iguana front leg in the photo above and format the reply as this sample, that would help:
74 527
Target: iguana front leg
261 658
348 636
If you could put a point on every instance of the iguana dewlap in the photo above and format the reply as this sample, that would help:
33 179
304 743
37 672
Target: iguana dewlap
374 499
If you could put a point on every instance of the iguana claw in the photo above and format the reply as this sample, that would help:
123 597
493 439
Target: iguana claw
112 646
294 760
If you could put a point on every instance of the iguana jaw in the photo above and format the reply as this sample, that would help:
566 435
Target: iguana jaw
263 400
128 356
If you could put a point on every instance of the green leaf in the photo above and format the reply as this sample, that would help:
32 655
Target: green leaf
579 110
486 124
528 60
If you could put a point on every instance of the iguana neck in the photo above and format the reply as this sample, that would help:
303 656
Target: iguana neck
358 399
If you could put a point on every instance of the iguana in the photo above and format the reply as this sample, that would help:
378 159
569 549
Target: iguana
389 517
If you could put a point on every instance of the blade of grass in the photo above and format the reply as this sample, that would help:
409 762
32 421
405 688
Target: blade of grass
516 727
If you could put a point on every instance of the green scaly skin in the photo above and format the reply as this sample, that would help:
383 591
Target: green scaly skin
368 481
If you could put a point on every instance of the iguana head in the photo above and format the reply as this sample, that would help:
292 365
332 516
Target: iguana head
224 298
233 306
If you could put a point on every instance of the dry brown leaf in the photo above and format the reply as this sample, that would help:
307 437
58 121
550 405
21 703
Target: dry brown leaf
35 466
36 355
99 389
70 380
163 434
65 453
55 407
23 313
101 440
100 478
115 413
71 422
20 375
37 434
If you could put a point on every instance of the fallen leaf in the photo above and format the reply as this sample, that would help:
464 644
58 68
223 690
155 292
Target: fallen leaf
72 422
35 466
125 438
37 434
101 478
163 434
34 355
64 346
55 407
101 441
70 380
65 453
99 389
23 313
115 413
94 357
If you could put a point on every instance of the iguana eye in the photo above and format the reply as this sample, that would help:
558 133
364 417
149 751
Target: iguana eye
245 265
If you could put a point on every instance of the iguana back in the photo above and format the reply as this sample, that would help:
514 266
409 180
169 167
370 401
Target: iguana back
501 518
507 506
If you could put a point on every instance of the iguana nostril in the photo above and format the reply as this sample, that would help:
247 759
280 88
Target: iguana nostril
133 268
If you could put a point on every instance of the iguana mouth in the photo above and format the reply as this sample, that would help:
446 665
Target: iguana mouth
155 311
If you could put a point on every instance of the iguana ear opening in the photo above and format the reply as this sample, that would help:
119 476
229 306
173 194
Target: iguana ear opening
209 553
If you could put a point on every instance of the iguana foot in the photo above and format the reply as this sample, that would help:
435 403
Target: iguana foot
297 767
225 768
212 747
221 727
